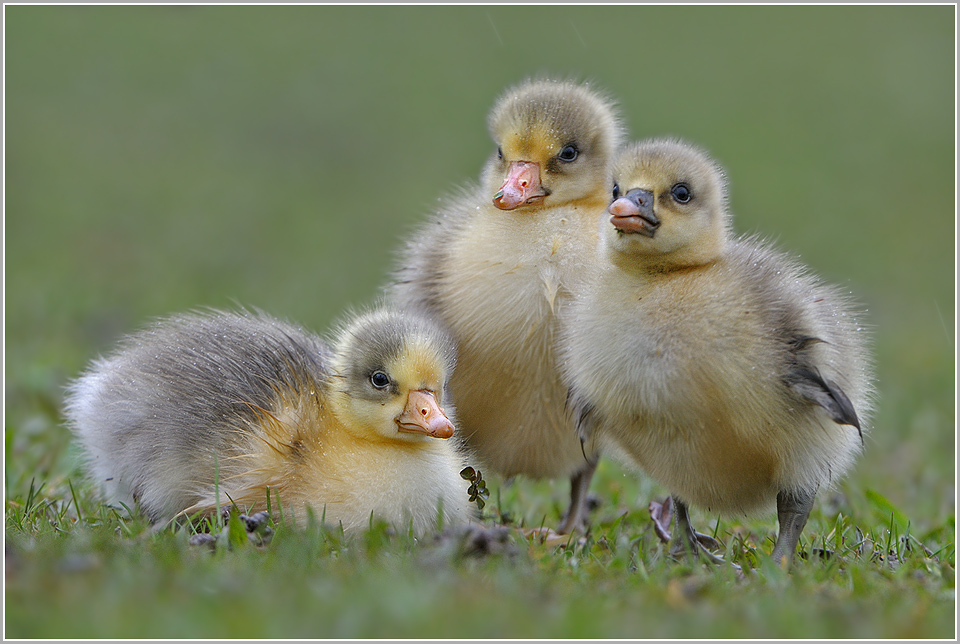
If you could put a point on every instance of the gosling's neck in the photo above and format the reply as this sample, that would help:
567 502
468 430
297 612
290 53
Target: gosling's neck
648 261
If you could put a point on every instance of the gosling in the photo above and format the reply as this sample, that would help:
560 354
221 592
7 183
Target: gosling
242 405
499 269
721 366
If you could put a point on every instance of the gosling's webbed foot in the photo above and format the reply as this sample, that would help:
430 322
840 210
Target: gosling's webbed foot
662 514
478 540
685 541
682 548
550 537
256 526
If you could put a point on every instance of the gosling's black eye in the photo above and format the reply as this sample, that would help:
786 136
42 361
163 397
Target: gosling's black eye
616 191
681 193
379 380
499 152
568 153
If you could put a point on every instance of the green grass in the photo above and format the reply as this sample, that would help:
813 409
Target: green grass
163 158
107 576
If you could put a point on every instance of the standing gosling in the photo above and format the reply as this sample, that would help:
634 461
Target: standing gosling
720 366
501 264
241 402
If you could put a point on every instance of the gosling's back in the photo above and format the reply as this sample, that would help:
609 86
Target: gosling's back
180 404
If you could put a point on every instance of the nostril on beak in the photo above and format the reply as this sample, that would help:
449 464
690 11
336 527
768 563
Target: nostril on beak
643 198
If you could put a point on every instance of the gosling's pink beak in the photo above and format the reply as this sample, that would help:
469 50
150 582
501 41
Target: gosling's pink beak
423 415
624 207
522 186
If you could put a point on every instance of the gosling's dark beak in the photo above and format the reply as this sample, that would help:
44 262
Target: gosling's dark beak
633 213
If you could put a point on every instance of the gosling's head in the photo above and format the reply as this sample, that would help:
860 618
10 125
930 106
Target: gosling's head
555 140
669 207
390 376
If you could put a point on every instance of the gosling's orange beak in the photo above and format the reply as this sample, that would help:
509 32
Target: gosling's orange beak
423 415
522 186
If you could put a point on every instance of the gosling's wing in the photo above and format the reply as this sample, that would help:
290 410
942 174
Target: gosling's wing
810 321
824 392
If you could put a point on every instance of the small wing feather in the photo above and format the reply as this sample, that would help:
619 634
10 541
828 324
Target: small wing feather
826 393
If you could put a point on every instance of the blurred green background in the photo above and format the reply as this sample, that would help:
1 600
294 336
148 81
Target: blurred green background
160 158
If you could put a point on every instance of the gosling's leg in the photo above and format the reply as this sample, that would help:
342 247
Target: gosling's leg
686 541
793 509
576 516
